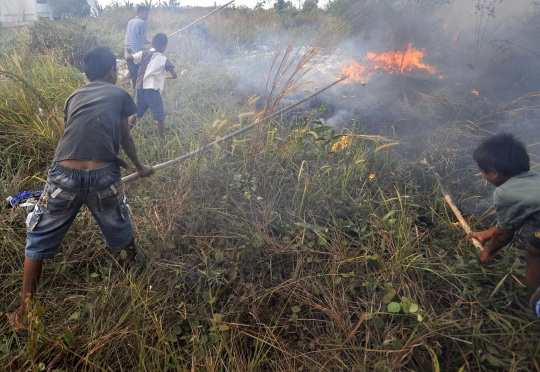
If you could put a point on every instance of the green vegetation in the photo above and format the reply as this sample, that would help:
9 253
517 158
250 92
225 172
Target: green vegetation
292 248
71 8
69 39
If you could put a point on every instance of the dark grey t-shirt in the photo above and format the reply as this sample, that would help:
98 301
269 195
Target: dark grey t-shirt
92 116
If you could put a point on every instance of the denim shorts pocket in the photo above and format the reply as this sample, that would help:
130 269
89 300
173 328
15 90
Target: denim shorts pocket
34 217
111 197
55 200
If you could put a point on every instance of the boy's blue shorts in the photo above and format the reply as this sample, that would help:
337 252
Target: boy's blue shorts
66 190
150 99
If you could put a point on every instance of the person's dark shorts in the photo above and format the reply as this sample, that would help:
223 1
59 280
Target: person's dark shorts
133 71
150 99
66 190
533 239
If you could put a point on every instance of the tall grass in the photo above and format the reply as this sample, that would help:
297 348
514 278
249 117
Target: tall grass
293 248
34 88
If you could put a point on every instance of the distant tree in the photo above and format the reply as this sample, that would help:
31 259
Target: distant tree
169 4
70 8
128 5
149 3
259 5
340 7
281 5
97 9
425 6
310 5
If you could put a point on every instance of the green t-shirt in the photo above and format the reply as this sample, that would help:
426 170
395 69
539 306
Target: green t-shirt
518 200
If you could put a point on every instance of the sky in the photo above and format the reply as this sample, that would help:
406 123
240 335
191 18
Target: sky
248 3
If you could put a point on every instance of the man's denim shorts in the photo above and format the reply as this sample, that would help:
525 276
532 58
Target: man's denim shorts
133 71
67 189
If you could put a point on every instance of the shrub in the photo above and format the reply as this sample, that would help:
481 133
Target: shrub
71 8
281 5
69 38
310 5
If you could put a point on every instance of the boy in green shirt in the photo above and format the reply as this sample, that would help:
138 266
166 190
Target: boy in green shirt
503 161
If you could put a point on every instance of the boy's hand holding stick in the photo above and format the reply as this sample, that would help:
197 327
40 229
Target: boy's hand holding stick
456 211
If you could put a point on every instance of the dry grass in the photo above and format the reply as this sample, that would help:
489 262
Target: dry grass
275 252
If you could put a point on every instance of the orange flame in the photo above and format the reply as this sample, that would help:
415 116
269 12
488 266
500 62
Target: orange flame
401 61
356 73
394 62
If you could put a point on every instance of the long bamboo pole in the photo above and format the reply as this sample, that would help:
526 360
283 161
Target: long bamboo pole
200 19
234 134
450 202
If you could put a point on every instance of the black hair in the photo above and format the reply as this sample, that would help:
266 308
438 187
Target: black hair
142 9
97 62
160 40
504 154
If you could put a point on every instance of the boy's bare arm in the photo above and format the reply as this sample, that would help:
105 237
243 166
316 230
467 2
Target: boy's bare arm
173 74
498 238
126 141
484 236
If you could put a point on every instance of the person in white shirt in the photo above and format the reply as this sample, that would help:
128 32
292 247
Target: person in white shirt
151 76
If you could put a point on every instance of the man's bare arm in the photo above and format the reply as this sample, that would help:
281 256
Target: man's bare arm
128 54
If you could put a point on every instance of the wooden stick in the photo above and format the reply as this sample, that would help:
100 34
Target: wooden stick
449 201
234 134
200 19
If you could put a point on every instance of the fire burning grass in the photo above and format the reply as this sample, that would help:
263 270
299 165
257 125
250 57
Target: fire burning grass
394 62
293 249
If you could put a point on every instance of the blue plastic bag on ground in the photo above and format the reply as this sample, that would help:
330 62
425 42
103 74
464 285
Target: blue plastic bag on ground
25 198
